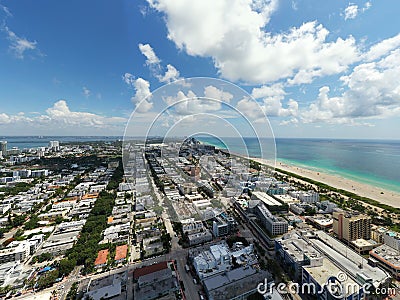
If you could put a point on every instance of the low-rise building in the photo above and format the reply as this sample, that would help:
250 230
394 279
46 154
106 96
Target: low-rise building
363 246
155 281
234 284
270 202
320 260
349 261
294 253
307 197
108 287
199 237
220 227
15 251
121 253
14 274
388 258
218 258
192 226
316 279
320 222
101 259
392 239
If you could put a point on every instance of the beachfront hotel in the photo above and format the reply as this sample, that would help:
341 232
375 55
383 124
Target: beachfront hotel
351 226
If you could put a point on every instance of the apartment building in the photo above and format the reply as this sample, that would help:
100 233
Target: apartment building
274 225
16 251
351 226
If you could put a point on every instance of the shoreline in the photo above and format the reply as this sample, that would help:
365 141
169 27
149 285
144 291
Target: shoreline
388 197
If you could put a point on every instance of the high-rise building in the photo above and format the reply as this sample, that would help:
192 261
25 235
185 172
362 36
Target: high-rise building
54 145
3 147
351 226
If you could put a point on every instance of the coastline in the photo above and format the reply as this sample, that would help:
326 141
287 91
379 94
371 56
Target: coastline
365 190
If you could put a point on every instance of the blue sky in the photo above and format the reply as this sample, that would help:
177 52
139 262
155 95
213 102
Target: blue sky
82 67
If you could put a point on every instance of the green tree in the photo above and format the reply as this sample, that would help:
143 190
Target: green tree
18 220
66 266
47 279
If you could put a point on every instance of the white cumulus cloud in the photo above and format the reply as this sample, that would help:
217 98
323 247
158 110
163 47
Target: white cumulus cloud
233 34
148 51
272 97
351 12
372 91
382 48
190 103
142 97
57 118
61 113
170 75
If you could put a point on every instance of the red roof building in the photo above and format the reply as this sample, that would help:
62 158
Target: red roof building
121 252
149 269
101 259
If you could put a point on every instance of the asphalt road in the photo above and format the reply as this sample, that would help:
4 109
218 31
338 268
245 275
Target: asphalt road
67 284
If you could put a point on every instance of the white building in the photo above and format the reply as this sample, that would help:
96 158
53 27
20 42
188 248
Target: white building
39 173
192 226
199 237
54 145
392 239
274 225
220 227
213 261
15 251
308 197
218 259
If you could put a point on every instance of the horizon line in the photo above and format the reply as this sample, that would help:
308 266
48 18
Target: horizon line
246 137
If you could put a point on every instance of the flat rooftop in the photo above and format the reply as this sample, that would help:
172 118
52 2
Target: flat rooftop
321 221
321 274
287 198
363 243
267 199
349 260
234 283
387 254
149 269
219 280
296 247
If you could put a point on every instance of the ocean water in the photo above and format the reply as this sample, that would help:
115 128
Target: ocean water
374 162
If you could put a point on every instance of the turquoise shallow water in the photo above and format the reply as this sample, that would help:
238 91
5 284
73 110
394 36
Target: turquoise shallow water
373 162
370 179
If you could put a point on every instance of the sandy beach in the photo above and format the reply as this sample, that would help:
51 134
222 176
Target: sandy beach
388 197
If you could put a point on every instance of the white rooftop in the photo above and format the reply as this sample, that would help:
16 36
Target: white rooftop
349 261
267 199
